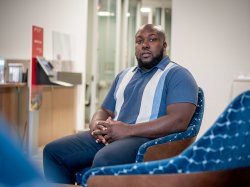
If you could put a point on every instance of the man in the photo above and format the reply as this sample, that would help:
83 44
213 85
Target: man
153 99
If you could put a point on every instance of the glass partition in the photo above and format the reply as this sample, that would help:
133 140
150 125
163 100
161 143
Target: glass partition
112 25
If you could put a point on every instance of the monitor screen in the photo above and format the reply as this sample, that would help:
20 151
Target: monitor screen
46 65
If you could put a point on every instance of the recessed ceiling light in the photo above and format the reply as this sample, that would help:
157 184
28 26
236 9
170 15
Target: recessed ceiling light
145 9
104 13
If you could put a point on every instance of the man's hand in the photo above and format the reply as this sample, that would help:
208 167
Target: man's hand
100 116
96 132
112 130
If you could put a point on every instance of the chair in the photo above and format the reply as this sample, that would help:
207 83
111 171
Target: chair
221 157
15 168
173 144
170 145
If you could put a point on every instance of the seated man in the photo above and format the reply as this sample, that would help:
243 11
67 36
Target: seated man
155 98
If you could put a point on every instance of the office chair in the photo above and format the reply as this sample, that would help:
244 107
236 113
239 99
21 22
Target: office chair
221 157
169 145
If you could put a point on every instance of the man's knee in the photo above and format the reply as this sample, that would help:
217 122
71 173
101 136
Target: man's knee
49 150
102 158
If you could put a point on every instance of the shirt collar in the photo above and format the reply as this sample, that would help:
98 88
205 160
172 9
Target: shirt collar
163 63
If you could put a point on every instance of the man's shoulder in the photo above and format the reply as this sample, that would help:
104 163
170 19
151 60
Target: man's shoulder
179 69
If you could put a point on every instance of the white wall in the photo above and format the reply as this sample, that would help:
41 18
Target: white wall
212 39
64 16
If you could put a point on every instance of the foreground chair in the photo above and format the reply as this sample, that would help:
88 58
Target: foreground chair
170 145
221 157
15 169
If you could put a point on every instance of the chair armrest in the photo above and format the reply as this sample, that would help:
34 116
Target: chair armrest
227 178
189 133
167 150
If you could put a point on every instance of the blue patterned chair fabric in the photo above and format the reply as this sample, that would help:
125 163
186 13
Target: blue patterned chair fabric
226 145
192 131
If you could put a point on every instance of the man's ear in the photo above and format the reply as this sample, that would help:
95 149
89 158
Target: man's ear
165 44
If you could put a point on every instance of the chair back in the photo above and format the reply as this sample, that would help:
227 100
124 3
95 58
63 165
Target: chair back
226 145
195 123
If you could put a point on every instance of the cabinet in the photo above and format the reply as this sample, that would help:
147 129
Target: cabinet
14 107
239 85
57 115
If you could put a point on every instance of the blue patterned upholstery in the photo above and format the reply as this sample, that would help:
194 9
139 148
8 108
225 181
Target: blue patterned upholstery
226 145
192 130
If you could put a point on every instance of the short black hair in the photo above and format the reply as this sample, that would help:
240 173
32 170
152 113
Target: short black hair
158 28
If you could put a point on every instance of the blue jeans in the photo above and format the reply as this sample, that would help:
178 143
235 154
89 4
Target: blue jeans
64 157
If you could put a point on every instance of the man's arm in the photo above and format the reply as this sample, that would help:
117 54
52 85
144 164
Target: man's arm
177 119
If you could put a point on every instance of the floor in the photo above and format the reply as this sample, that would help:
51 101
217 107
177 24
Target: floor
38 160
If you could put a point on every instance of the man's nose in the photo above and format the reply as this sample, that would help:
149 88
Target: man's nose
145 44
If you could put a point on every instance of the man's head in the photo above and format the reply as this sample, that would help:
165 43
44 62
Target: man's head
150 46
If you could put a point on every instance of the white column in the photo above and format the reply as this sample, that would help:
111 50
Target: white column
124 34
94 63
150 17
163 18
118 37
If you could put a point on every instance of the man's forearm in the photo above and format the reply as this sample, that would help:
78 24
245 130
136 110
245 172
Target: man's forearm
157 128
176 121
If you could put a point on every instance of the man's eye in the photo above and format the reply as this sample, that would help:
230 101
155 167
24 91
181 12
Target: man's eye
139 41
152 39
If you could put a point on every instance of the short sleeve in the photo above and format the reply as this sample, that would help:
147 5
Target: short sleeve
109 101
182 87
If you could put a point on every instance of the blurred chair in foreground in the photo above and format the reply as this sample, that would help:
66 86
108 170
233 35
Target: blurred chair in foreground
221 157
15 169
169 145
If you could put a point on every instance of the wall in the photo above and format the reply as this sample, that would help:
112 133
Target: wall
212 39
64 16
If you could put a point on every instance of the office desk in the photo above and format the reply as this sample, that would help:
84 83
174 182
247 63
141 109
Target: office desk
56 115
14 106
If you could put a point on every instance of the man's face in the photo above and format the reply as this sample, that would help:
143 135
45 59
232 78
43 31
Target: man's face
149 47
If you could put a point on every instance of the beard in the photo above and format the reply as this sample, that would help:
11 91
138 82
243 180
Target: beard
148 65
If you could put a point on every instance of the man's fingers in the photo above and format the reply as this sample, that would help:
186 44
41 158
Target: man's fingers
109 120
102 123
101 127
99 132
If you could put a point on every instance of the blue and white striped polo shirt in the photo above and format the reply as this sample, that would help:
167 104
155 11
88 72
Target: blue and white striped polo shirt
137 96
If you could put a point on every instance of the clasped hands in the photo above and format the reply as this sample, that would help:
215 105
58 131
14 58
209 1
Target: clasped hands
108 131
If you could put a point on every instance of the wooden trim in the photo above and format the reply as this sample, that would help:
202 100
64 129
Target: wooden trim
167 150
11 85
228 178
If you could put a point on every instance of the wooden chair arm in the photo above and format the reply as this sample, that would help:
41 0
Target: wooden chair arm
227 178
167 150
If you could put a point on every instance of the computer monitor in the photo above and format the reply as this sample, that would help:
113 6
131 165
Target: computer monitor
46 66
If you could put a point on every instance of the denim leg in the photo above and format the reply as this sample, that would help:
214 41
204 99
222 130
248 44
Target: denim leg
122 151
62 158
